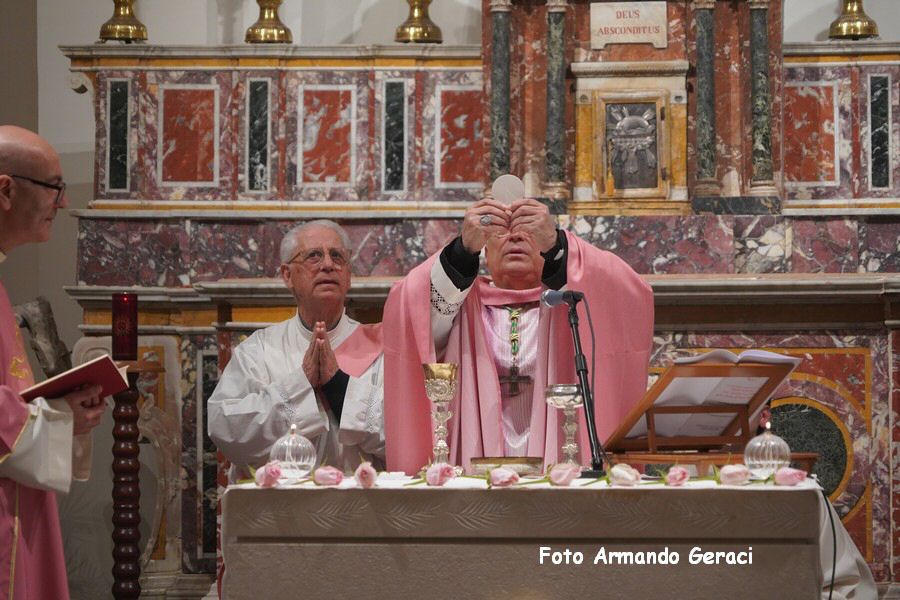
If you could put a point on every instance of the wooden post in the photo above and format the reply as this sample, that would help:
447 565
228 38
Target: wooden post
126 493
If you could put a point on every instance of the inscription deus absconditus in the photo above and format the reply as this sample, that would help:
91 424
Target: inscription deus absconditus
629 23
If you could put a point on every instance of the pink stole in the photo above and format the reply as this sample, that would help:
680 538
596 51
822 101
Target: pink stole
360 349
25 513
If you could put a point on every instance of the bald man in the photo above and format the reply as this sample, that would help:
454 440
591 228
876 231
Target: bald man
44 444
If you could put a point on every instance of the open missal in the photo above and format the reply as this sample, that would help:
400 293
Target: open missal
704 401
100 371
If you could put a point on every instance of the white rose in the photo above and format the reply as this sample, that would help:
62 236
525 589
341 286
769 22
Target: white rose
622 474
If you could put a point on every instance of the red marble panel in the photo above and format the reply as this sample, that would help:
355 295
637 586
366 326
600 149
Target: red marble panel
824 246
188 136
460 153
326 142
809 144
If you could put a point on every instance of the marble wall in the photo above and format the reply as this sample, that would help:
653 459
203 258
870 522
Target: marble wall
302 134
182 251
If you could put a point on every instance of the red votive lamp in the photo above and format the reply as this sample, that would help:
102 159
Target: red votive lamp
124 326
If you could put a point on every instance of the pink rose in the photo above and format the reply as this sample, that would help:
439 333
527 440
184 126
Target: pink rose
365 475
734 475
328 476
789 476
503 477
677 476
268 474
564 473
622 474
439 474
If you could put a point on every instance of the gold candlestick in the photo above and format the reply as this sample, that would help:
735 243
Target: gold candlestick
268 29
440 386
123 25
417 27
853 24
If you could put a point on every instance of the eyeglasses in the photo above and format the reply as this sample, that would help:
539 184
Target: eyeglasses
313 258
59 187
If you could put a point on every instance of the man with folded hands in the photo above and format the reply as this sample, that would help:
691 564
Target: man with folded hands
319 370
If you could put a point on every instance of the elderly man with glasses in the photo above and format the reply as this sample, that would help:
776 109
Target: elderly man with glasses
44 444
319 370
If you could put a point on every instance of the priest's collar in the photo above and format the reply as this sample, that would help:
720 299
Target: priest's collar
306 330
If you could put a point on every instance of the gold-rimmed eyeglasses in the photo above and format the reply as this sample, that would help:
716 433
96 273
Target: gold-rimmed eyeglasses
313 258
59 187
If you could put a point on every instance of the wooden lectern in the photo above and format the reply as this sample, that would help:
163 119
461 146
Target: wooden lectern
703 410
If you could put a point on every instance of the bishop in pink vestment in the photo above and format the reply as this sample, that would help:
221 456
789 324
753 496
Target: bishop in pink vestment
621 305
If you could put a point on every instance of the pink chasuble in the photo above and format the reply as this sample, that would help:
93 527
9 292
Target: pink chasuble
32 564
622 308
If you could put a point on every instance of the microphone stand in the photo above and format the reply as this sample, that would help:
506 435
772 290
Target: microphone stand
598 455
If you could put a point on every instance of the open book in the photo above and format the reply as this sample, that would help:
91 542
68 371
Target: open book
99 371
684 399
747 356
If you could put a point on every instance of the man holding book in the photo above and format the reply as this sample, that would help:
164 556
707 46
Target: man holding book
45 443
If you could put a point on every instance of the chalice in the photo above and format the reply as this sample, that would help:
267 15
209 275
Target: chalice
567 397
440 386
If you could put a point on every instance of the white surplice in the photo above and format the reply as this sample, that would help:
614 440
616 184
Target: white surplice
263 390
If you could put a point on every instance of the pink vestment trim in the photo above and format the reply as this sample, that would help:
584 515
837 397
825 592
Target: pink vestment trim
32 564
357 353
622 308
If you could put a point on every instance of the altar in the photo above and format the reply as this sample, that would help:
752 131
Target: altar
467 541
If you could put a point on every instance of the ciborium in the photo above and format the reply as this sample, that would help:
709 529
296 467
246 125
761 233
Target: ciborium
268 28
567 397
440 386
418 27
123 25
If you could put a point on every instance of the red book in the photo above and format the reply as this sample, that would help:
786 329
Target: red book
99 371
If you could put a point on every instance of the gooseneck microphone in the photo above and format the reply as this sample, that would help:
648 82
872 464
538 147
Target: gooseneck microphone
556 297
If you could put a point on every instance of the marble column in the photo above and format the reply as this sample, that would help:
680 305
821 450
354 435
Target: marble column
761 180
500 87
706 183
555 186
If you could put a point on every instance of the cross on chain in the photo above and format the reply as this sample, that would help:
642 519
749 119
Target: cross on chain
513 379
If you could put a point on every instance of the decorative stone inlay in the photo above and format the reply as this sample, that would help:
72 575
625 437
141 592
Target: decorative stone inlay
501 5
880 131
557 5
394 143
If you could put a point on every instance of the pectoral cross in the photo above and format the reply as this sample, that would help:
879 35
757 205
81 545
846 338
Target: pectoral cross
514 379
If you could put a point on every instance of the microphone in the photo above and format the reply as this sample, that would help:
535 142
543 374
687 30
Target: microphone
556 297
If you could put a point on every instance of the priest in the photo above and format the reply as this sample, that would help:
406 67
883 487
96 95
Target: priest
508 346
319 370
45 443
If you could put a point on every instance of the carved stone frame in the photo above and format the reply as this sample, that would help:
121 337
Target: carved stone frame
602 185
